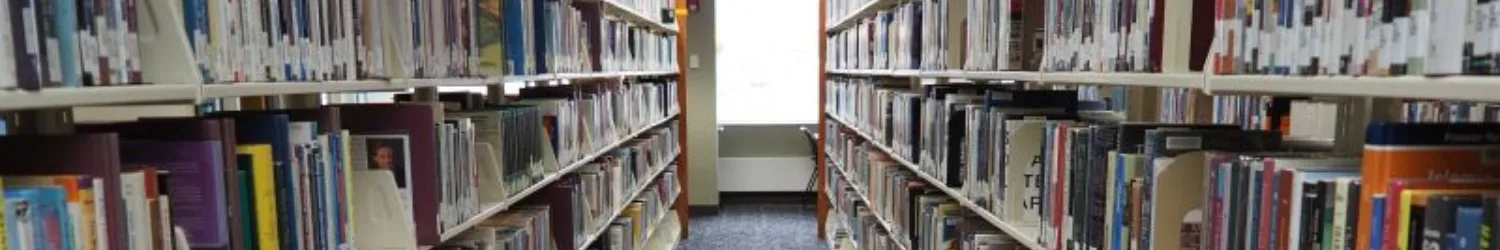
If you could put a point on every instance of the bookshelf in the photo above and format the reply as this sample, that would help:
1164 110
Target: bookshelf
66 97
595 232
492 209
862 196
1025 235
1140 79
184 59
1465 88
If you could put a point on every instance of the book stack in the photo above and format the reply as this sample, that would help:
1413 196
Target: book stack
77 43
589 116
839 9
61 211
70 43
255 41
519 228
1184 105
1374 38
589 200
942 35
280 179
509 137
1449 112
654 10
642 216
627 46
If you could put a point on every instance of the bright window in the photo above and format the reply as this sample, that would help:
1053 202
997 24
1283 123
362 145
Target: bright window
767 61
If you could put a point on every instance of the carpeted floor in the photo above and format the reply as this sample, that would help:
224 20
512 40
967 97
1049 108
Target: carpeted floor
755 225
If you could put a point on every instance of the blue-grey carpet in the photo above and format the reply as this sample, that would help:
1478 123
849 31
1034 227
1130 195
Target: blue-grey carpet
755 226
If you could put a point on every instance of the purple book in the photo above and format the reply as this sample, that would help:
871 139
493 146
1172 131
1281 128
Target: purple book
198 203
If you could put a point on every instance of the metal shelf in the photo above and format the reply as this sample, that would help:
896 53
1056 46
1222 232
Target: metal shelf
1464 88
1026 235
128 94
496 208
1470 88
66 97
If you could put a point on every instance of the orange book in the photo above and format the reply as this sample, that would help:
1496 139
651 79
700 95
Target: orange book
1403 151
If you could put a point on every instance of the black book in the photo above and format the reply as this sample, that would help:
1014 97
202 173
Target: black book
1440 222
1077 185
1132 136
1351 224
29 66
1417 221
1236 203
1312 214
1101 142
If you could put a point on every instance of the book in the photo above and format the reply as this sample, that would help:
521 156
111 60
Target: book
1445 148
85 154
261 187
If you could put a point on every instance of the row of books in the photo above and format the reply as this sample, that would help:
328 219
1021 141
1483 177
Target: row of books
1449 112
661 11
289 179
75 43
838 9
535 225
594 115
1377 38
1093 182
924 218
1079 35
609 185
642 217
64 211
941 34
569 37
525 227
1122 36
1373 38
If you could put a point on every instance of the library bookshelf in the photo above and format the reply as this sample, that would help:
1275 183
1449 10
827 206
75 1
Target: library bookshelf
37 113
862 43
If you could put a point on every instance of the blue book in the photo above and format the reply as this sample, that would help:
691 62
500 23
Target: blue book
1465 234
541 26
21 219
193 23
65 28
52 207
274 130
516 37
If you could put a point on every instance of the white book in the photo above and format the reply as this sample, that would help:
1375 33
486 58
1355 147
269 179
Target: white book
164 211
138 217
1446 41
1493 15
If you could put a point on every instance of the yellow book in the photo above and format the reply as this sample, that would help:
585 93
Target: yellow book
87 227
489 34
263 187
1419 197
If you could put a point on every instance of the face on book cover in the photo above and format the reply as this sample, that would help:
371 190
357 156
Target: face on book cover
388 154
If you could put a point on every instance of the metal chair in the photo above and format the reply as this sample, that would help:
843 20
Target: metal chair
812 145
